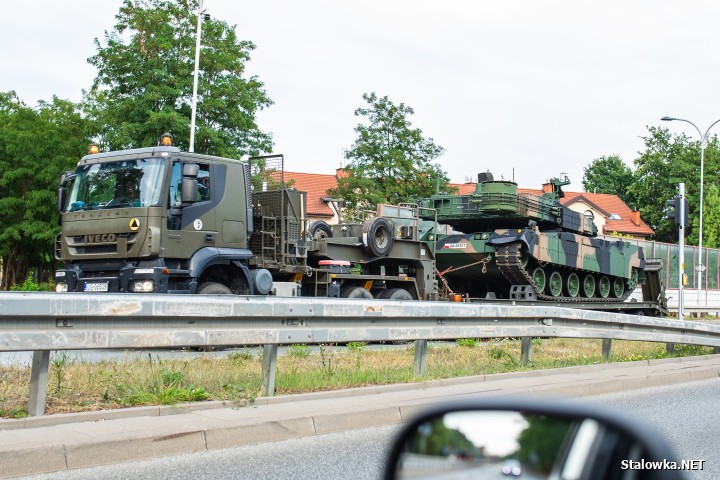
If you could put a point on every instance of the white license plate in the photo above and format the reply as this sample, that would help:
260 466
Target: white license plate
96 287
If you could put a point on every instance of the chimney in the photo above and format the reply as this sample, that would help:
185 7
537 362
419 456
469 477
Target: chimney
635 217
341 173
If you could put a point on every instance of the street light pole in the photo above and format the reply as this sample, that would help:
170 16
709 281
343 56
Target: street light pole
703 140
200 15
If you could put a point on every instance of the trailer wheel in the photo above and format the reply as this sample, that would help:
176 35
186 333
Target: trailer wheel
355 292
213 288
377 236
319 229
394 294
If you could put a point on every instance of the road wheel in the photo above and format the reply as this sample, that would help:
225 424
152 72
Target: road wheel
213 288
539 279
555 285
588 286
377 236
573 285
394 294
603 287
355 292
618 287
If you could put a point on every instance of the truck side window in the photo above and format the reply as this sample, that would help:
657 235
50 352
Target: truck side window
204 183
175 182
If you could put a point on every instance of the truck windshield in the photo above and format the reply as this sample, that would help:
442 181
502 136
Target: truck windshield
130 183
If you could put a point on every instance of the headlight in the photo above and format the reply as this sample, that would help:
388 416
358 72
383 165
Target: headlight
143 286
61 287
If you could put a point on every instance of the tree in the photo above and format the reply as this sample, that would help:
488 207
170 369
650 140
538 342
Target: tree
609 174
144 82
36 146
389 161
666 161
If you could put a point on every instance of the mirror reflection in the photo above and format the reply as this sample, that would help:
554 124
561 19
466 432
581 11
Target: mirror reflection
507 444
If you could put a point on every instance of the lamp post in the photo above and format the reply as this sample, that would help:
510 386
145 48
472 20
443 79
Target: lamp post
201 14
703 140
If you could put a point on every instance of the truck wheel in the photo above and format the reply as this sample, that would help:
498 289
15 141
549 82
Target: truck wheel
355 292
377 236
213 288
319 229
394 294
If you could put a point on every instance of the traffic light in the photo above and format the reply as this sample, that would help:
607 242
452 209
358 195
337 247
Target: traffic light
673 210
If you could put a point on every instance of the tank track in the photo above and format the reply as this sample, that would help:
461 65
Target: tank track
508 261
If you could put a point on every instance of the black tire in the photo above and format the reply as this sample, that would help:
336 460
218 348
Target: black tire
355 292
213 288
319 229
377 236
394 294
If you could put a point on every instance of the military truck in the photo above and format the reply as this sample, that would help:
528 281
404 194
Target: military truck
161 220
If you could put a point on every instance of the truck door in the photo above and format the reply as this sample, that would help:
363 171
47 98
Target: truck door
190 227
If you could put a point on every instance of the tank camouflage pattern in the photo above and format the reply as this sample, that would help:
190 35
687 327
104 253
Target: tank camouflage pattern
504 244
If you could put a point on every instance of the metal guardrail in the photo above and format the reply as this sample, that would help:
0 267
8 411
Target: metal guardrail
43 322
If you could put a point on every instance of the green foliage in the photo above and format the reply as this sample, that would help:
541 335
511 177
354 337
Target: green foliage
541 440
143 87
328 360
59 362
240 356
36 146
356 346
390 162
29 285
299 350
467 342
440 440
16 412
609 174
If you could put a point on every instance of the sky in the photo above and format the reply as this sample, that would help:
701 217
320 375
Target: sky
526 89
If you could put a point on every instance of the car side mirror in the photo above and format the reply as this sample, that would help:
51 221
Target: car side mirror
528 439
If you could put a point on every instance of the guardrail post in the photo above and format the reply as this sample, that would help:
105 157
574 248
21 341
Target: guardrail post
269 367
38 382
420 357
525 350
670 348
606 346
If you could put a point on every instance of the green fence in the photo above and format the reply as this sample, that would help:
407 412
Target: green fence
669 254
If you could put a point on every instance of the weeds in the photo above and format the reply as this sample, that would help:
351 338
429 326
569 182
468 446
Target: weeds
467 342
154 381
299 350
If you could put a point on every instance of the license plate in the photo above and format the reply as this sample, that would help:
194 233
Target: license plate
96 287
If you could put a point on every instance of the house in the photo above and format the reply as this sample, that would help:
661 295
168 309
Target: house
611 215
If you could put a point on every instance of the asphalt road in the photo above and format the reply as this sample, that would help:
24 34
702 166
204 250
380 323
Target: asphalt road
686 414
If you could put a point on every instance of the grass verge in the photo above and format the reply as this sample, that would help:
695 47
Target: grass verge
75 385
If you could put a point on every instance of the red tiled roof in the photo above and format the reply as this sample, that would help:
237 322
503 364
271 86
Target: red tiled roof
316 185
610 204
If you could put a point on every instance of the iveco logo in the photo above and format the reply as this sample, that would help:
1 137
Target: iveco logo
101 238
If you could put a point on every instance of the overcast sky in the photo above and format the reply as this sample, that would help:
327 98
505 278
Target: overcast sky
535 87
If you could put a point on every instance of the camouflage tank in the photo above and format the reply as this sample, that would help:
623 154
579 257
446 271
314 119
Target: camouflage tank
499 243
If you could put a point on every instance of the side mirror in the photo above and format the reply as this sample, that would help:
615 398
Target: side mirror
528 439
189 185
66 178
